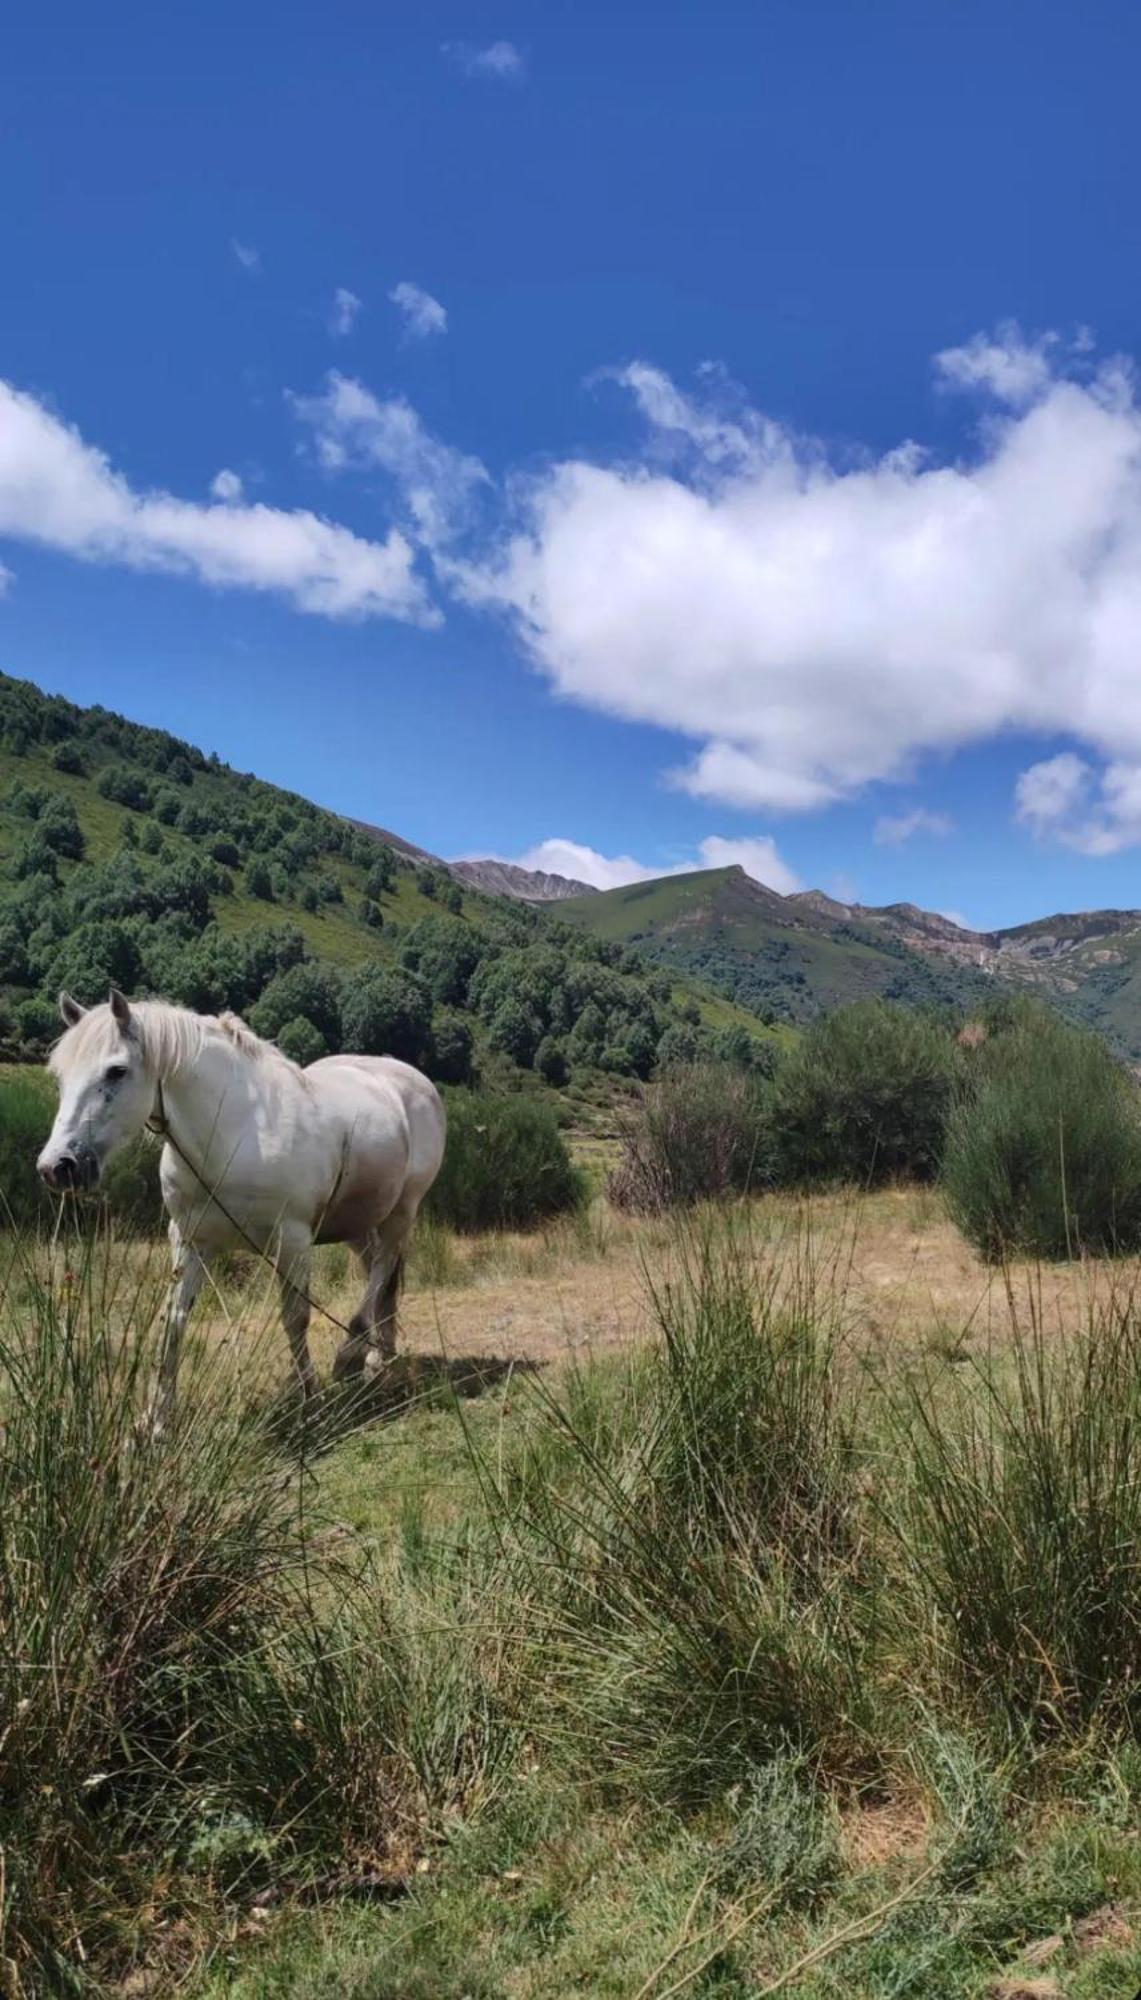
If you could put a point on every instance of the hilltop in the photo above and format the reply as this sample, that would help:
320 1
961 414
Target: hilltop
128 856
790 957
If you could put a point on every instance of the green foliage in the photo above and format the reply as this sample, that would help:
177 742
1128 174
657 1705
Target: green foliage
864 1097
175 902
506 1165
452 1055
1043 1149
387 1013
698 1133
301 1041
306 990
126 787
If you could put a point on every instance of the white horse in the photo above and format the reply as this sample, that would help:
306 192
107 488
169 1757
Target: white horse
341 1152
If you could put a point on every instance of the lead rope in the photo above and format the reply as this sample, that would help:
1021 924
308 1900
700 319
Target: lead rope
159 1124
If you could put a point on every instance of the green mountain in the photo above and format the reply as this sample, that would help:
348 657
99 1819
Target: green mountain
790 957
129 857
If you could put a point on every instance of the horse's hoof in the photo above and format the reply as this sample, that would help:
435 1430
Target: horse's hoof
376 1362
349 1361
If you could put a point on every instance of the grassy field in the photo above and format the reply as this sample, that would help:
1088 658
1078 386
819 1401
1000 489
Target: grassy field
730 1608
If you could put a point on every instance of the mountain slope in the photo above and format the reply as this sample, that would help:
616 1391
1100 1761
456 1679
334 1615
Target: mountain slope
789 957
527 885
782 956
129 857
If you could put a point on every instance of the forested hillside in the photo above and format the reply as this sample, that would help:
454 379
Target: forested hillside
785 958
129 857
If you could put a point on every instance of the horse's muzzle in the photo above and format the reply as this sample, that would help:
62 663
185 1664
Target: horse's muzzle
71 1173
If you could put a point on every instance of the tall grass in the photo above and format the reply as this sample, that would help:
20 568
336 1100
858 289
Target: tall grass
684 1547
194 1701
1021 1520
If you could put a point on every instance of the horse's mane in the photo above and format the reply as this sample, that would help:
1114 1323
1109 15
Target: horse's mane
170 1037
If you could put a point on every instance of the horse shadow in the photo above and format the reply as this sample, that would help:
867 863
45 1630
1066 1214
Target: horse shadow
399 1388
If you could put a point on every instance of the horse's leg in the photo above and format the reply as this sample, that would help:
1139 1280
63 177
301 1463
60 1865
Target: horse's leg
188 1270
293 1277
372 1329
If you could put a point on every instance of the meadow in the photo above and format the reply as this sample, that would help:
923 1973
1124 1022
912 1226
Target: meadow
732 1602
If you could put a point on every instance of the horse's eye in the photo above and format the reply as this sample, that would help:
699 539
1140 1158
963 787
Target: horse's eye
115 1073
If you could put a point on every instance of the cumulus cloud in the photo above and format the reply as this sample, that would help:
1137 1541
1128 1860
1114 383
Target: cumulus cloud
1096 812
60 492
893 831
247 256
814 626
758 856
1007 365
343 312
499 60
423 315
226 485
352 428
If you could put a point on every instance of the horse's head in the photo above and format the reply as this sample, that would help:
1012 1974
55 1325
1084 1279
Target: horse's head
106 1091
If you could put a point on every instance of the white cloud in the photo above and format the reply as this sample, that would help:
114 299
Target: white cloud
893 831
558 856
343 313
226 485
1007 366
60 492
1096 813
758 857
423 315
247 256
352 428
502 60
813 626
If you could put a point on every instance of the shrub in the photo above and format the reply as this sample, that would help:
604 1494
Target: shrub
1043 1150
864 1097
452 1055
698 1133
506 1165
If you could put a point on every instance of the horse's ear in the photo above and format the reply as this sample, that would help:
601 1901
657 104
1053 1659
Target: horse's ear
70 1010
121 1009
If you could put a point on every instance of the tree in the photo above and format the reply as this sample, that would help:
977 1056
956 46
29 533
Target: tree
445 953
69 757
451 1059
679 1045
387 1013
301 1041
259 881
515 1032
372 916
308 989
95 957
551 1062
125 787
59 825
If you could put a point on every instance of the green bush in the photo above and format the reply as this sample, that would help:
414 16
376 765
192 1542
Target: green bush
129 1191
506 1165
697 1134
864 1098
1043 1152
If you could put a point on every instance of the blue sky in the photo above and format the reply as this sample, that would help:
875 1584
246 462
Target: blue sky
588 473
